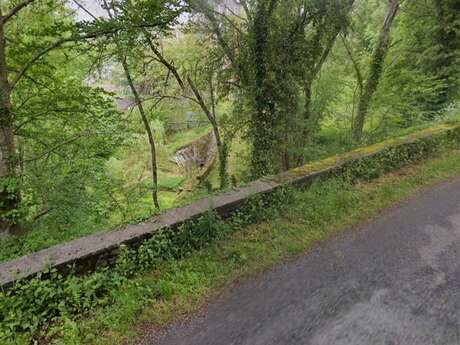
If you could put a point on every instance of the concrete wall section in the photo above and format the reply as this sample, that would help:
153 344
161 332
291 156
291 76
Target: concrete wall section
102 248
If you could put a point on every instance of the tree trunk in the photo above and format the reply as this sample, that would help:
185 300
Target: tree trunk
264 121
308 110
375 72
148 129
145 121
221 147
310 121
211 116
316 69
446 67
9 197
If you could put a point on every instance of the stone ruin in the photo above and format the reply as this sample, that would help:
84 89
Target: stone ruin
197 158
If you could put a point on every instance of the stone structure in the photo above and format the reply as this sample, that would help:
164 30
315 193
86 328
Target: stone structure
198 156
99 249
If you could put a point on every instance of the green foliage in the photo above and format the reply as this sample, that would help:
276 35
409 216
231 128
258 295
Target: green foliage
415 85
412 86
47 306
9 189
393 158
313 216
288 89
33 305
289 92
65 130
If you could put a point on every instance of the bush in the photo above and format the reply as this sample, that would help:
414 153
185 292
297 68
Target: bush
395 157
33 305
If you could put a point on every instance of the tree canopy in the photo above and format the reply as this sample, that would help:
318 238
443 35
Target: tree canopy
90 97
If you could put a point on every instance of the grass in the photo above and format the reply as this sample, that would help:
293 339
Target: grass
135 167
332 139
178 288
183 138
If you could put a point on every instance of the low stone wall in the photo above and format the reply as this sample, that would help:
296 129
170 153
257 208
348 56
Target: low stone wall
100 249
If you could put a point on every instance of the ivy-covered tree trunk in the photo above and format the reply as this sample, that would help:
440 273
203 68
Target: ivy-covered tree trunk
307 90
9 195
375 71
447 57
263 126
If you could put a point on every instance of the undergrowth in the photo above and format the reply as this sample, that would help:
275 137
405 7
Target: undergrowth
46 308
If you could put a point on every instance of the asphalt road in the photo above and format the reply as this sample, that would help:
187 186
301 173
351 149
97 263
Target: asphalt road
392 281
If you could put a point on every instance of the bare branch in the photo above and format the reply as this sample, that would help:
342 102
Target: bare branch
84 9
201 102
55 147
42 213
163 61
355 64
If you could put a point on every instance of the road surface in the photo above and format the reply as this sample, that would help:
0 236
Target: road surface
392 281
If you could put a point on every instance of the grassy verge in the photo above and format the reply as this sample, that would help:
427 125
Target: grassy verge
179 287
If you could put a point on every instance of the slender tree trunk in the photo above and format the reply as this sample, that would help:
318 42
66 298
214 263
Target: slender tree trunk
308 110
145 121
9 199
310 120
375 72
210 115
221 146
319 61
359 76
285 159
148 129
308 82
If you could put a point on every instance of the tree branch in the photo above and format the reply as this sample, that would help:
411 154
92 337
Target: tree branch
55 45
34 58
42 213
52 149
14 10
355 64
201 102
163 61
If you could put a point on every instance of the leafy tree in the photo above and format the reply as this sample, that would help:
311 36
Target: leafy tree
130 22
47 111
375 70
205 73
433 30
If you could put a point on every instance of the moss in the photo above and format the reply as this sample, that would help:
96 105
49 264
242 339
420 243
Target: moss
339 159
